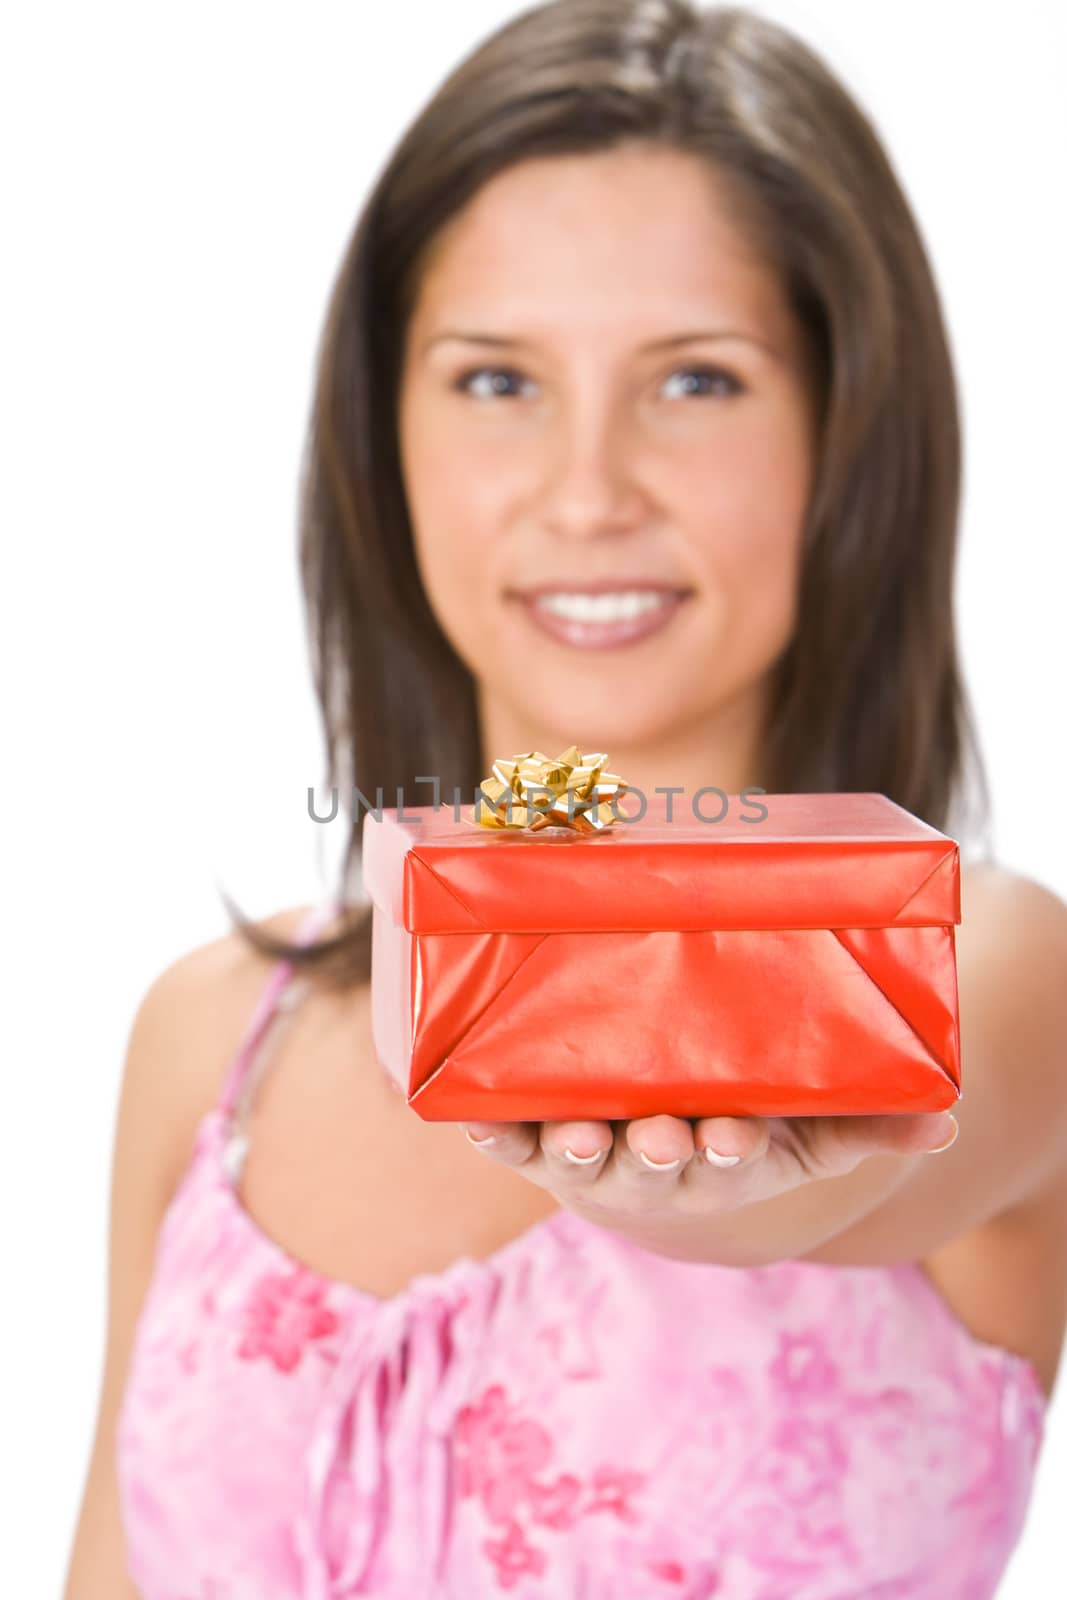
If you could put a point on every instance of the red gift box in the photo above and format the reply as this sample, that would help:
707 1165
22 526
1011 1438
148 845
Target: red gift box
802 964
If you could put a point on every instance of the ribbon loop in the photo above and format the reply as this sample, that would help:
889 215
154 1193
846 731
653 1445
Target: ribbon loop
532 792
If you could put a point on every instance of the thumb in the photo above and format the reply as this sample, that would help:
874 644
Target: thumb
902 1133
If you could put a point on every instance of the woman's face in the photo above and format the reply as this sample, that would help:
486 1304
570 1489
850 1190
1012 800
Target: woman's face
603 388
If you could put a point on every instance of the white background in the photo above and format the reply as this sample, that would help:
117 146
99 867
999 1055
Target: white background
179 185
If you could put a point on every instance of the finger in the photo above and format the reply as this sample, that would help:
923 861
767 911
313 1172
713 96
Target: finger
650 1148
836 1145
916 1133
509 1142
726 1143
576 1151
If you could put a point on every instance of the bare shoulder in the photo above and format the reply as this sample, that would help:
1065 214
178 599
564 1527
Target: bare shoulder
185 1031
990 891
1012 962
1013 934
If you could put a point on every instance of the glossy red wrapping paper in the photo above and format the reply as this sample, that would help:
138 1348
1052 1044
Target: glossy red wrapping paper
802 964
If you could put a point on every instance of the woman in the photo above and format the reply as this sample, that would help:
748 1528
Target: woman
636 310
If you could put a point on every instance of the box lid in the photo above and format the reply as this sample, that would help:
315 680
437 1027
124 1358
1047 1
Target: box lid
774 861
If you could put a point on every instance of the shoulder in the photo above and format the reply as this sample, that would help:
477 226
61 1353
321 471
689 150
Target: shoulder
220 972
1014 916
1012 967
225 960
185 1031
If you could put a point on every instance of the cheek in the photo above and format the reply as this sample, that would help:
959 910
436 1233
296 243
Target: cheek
455 473
749 502
454 480
752 496
451 568
452 535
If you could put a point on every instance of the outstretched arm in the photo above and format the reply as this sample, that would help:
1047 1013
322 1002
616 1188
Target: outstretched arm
852 1190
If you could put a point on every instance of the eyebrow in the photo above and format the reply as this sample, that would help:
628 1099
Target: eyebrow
705 335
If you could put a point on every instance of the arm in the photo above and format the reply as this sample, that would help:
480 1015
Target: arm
1012 1114
182 1036
1012 1146
143 1161
862 1190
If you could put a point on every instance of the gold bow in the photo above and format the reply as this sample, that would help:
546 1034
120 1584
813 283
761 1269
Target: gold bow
543 793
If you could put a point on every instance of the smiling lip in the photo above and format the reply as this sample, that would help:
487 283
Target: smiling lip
598 586
582 635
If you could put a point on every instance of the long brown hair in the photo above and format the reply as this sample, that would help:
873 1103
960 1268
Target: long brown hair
869 695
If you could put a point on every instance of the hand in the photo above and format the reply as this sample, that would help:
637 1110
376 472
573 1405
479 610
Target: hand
702 1167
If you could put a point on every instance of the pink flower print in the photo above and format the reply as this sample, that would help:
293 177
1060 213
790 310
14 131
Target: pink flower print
570 1345
702 1585
806 1459
513 1556
556 1504
768 1535
283 1315
188 1355
611 1485
498 1456
802 1367
669 1571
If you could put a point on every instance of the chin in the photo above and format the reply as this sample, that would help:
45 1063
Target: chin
597 721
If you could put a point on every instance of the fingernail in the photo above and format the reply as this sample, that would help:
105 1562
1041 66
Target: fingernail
936 1149
490 1138
582 1161
718 1160
659 1166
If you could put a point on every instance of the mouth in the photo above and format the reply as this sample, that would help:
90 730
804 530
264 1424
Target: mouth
601 616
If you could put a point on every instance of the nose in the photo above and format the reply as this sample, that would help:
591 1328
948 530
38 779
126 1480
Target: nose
591 488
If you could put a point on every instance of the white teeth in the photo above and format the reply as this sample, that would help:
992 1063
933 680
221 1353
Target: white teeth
618 607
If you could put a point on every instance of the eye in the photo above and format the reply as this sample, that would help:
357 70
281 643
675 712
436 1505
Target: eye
725 383
499 377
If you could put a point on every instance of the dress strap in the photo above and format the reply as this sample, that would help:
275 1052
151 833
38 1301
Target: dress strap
272 998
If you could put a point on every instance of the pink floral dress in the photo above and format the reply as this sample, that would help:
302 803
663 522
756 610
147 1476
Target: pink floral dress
572 1417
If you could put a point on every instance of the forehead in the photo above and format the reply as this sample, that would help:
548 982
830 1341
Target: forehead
638 234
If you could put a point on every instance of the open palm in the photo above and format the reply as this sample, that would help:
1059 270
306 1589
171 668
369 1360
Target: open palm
701 1166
